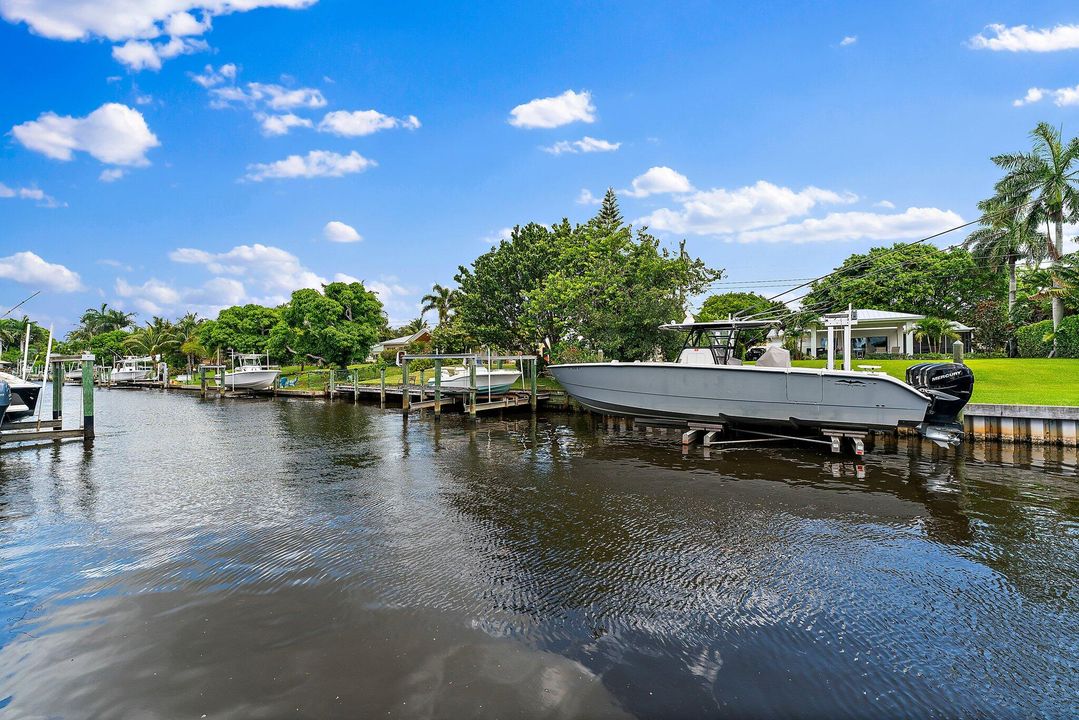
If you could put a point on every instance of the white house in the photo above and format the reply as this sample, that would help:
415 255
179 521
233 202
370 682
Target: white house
878 332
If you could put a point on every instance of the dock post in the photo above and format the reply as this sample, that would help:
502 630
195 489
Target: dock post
535 372
438 387
202 381
356 385
404 385
333 382
57 391
382 387
422 377
957 352
472 391
87 397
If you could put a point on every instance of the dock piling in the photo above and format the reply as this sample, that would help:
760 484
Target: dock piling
88 397
472 390
438 387
404 385
57 390
534 373
202 381
356 385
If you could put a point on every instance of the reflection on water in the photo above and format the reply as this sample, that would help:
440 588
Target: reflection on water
258 558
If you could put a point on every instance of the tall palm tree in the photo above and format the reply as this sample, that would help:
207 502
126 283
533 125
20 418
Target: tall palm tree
1004 239
104 319
1046 179
414 326
155 339
933 329
441 299
186 330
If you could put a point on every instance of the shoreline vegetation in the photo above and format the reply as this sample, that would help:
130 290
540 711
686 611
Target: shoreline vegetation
601 289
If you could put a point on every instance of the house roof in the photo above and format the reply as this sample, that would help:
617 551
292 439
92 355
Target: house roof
870 315
406 340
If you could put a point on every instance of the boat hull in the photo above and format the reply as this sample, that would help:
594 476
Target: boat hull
24 396
745 395
126 376
497 381
251 380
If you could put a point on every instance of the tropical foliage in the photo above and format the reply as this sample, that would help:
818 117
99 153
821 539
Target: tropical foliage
441 300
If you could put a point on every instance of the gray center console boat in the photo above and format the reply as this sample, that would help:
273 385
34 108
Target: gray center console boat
708 384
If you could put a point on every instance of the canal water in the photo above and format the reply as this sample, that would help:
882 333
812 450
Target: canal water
245 559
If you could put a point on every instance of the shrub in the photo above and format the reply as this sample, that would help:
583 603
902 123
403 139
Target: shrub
1067 337
1031 339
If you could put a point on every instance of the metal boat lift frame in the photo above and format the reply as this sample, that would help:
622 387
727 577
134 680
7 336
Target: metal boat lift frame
708 435
436 404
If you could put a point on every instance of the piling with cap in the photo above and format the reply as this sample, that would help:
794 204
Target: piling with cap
438 387
88 396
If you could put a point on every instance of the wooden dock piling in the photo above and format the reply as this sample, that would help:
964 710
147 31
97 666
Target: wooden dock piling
382 387
438 387
404 385
87 397
472 390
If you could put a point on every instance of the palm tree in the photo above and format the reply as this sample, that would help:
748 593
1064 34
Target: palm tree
116 320
104 319
932 328
441 299
414 326
1042 186
157 338
186 329
1003 240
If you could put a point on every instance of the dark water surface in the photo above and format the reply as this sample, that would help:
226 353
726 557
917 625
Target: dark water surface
266 559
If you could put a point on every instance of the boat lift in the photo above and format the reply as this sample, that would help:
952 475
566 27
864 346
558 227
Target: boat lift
530 368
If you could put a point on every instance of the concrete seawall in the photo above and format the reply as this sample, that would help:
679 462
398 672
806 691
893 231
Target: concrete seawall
1036 424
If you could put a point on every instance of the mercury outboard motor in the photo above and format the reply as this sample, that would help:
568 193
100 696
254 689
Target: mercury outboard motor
949 386
5 398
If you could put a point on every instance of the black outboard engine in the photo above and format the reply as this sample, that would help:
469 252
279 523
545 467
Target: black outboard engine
949 386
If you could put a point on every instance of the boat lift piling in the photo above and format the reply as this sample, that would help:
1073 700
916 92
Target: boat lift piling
42 430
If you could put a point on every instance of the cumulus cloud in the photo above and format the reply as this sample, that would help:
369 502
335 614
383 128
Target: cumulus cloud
585 197
110 175
124 21
270 95
584 145
1021 38
30 193
274 125
356 123
209 77
400 302
317 163
659 180
29 269
338 232
720 211
272 270
848 40
1062 97
143 55
115 134
846 226
498 236
156 297
888 204
552 112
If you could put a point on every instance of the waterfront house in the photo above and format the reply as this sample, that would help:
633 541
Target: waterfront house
401 343
879 332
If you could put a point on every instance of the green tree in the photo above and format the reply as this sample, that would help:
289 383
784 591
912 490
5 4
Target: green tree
1042 186
441 300
156 338
243 328
920 279
109 345
935 331
335 327
1004 239
609 218
723 305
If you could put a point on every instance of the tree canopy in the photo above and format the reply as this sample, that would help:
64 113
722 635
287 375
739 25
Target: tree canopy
919 279
337 326
243 328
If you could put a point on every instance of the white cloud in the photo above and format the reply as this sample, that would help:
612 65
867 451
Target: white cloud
210 77
587 198
155 297
887 204
1021 38
338 232
658 180
848 40
115 134
274 125
498 236
273 269
317 163
270 95
133 20
143 55
584 145
115 264
1062 97
30 193
363 122
110 175
720 211
846 226
400 302
29 269
555 111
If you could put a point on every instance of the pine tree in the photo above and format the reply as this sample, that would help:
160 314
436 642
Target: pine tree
609 217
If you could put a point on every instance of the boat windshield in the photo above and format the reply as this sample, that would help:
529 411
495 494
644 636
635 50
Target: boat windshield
721 338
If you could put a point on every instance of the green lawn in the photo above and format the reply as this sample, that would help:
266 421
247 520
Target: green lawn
1014 381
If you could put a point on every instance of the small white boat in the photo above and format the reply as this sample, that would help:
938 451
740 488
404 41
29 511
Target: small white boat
458 380
251 372
131 369
74 376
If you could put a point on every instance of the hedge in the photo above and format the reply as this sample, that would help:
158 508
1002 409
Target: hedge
1031 339
1068 337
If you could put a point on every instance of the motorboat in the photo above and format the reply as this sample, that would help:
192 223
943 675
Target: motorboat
251 371
74 376
709 384
131 369
457 380
24 396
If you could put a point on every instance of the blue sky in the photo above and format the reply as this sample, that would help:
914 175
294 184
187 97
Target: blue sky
198 155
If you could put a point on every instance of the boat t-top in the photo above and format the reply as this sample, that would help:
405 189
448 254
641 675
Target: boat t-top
709 384
132 369
251 371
